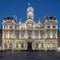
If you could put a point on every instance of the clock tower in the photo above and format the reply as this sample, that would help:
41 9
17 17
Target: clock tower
30 13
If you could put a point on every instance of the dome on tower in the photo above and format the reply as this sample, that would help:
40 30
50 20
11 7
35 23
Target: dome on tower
30 12
30 9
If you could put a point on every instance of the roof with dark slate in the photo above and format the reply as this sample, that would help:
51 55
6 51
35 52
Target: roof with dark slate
50 18
9 18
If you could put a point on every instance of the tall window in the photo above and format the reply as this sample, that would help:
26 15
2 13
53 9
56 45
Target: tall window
36 45
48 33
22 34
5 33
41 34
17 34
54 33
22 45
36 33
16 27
10 45
5 45
16 45
11 26
10 33
29 34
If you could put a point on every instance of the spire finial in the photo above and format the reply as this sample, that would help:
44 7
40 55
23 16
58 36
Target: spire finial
20 20
39 20
15 17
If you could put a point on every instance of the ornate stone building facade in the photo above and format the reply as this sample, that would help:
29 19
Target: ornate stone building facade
30 35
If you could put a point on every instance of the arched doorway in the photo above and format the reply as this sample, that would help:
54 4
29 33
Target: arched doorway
29 46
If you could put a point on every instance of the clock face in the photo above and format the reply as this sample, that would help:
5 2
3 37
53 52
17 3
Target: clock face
30 13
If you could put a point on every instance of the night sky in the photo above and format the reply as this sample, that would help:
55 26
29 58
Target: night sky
19 8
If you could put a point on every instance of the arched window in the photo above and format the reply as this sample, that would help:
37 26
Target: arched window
10 45
16 45
17 34
5 45
36 45
41 34
29 34
22 45
54 33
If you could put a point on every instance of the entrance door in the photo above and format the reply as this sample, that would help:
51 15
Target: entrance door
29 46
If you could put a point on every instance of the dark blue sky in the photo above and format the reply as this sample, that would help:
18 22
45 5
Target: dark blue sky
19 8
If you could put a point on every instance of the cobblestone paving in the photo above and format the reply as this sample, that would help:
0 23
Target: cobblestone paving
29 55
